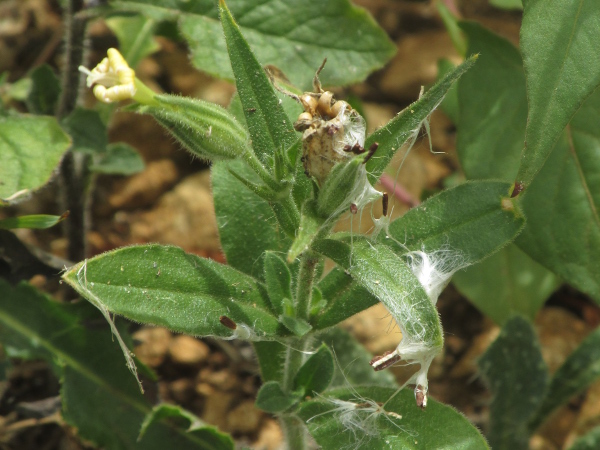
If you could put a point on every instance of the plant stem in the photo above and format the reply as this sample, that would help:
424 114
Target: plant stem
294 431
306 276
74 169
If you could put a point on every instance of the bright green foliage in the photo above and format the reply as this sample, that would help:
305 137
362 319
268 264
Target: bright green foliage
507 282
517 376
294 36
558 39
164 286
507 4
98 392
439 426
30 149
581 369
279 282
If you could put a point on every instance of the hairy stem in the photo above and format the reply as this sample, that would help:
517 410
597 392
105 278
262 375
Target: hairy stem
74 170
294 431
306 277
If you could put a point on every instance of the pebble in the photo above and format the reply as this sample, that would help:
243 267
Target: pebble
188 351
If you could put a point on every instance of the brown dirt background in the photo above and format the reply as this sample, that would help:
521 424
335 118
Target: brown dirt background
170 202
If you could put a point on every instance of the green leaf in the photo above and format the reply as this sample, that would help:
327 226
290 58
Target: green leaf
209 436
247 225
30 149
316 373
577 373
387 277
474 219
278 280
341 425
271 398
100 397
164 286
558 39
35 221
87 130
493 107
507 282
589 441
119 159
562 205
269 126
352 368
406 124
294 36
45 91
271 359
135 35
344 298
507 4
517 376
450 103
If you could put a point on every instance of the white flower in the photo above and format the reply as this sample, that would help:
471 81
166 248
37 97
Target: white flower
114 80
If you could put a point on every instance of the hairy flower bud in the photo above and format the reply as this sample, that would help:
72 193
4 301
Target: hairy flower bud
205 129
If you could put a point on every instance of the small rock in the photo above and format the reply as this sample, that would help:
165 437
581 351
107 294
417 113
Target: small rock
182 390
222 379
270 436
216 408
188 350
244 418
204 389
154 345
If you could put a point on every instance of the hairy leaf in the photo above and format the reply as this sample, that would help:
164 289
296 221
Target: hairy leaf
100 397
558 38
295 36
470 222
517 375
581 369
408 122
162 285
45 91
341 418
507 282
30 149
35 221
316 373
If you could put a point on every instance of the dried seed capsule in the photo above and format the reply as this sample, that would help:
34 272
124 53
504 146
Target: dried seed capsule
324 104
304 121
338 107
309 103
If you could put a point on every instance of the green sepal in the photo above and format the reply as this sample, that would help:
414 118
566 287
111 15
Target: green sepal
205 129
316 373
271 398
335 196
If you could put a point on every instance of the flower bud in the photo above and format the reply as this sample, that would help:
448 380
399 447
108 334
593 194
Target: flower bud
205 129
